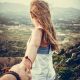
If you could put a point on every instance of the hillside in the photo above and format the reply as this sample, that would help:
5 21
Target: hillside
19 14
13 13
66 13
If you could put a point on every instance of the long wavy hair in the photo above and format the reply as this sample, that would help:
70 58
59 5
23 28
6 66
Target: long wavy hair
40 11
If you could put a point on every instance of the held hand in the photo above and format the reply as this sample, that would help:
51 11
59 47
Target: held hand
20 69
27 63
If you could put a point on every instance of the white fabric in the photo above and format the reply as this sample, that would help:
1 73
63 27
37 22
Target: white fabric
43 68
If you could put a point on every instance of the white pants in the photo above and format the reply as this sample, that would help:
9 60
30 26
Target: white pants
43 68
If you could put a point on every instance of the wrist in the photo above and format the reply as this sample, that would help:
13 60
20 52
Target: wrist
14 75
27 58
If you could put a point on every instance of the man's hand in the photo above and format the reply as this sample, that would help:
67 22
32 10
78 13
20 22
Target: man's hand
23 73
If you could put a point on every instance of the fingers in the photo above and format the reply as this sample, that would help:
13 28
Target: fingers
26 63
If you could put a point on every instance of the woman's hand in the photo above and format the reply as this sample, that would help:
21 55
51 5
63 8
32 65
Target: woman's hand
27 63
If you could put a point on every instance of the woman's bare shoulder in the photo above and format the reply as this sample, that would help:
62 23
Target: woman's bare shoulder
36 32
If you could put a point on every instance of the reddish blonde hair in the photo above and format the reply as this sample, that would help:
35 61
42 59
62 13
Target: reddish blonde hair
40 11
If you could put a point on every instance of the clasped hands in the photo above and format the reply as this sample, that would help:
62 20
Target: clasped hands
23 69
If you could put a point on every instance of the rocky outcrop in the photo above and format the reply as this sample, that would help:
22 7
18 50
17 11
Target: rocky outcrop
67 63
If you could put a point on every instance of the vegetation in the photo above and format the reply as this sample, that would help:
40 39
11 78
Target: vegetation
67 63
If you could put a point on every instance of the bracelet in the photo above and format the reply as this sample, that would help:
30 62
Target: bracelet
14 74
26 57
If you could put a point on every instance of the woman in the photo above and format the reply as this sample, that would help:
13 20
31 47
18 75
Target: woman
42 43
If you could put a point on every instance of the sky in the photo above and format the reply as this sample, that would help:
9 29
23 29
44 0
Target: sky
54 3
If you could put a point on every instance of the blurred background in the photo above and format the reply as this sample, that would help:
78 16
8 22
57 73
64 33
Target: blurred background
16 26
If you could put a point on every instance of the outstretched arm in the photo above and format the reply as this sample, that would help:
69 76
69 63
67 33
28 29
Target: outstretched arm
33 46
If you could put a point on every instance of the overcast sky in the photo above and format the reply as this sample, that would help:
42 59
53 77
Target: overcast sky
55 3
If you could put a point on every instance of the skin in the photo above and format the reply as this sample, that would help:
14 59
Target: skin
8 77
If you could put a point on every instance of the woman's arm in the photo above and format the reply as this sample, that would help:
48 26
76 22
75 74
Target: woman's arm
34 44
28 40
